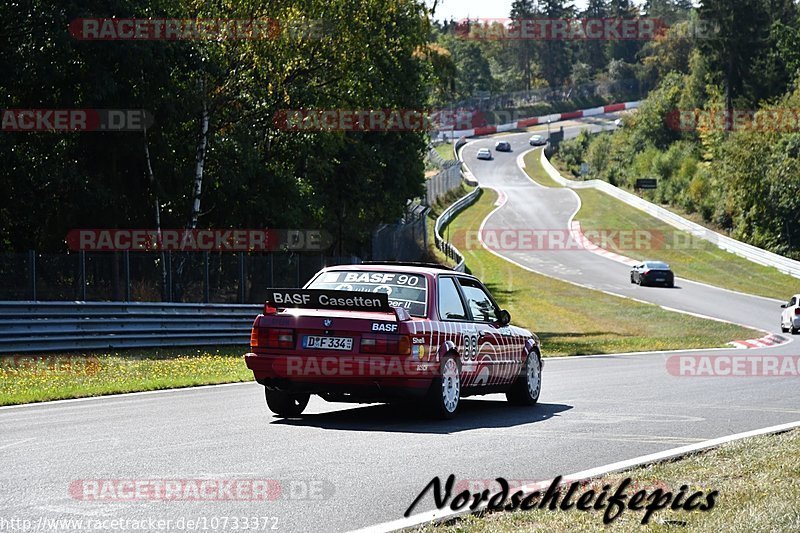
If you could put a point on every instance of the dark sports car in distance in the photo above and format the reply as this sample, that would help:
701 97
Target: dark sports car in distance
653 273
502 146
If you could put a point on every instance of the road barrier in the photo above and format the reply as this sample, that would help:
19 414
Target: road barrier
747 251
65 326
546 119
448 249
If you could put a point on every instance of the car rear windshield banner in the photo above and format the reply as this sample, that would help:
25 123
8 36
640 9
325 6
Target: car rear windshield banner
409 291
328 299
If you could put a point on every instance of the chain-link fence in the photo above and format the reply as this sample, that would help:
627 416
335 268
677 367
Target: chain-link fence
213 277
406 240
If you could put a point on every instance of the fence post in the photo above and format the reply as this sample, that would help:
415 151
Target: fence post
82 261
127 264
169 276
206 278
241 278
32 270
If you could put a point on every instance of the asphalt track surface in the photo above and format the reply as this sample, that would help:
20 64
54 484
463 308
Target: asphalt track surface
368 463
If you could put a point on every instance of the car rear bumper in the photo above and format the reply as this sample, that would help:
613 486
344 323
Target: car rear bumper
372 375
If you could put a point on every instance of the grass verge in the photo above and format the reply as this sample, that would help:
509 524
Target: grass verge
38 378
691 258
557 311
758 480
445 150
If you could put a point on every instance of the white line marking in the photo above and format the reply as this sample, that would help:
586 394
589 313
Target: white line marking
10 444
123 394
437 516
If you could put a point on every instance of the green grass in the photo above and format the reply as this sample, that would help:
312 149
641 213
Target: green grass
38 378
557 311
535 170
690 258
446 151
758 480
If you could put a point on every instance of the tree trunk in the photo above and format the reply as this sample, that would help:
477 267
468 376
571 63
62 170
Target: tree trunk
157 211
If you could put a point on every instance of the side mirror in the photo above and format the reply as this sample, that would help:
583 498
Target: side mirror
783 306
505 317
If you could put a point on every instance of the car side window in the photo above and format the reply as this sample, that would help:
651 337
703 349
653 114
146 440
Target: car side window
793 302
479 302
450 305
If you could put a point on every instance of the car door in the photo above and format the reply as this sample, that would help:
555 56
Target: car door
786 316
492 351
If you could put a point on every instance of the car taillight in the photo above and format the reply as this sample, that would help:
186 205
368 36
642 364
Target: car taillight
797 311
646 272
272 338
386 344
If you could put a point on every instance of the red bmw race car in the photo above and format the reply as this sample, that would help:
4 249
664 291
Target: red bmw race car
386 332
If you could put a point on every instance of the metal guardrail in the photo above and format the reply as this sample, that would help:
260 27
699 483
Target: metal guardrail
448 249
63 326
747 251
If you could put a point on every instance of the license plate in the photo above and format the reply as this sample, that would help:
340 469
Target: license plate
327 343
660 279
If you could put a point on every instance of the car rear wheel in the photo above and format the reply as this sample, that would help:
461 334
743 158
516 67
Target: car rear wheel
526 389
444 396
784 329
285 404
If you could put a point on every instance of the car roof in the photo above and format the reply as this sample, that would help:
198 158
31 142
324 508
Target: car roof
409 268
656 264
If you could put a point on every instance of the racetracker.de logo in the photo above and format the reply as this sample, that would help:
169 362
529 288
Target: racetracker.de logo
163 29
194 490
546 29
50 364
197 240
734 366
777 120
380 120
39 120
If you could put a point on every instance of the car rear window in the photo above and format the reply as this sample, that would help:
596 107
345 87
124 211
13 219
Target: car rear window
658 266
409 291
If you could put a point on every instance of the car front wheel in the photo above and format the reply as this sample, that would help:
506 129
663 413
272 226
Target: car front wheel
526 389
285 404
444 395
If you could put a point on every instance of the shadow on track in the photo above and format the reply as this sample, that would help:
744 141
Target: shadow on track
410 418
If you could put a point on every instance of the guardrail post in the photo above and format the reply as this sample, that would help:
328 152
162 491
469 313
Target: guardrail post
127 270
32 271
82 263
169 276
206 279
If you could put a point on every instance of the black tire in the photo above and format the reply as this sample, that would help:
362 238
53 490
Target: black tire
671 285
444 389
285 404
632 279
795 331
783 329
525 391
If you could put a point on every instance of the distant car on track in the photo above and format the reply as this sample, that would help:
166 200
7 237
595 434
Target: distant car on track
485 153
619 123
388 332
790 317
537 140
653 273
503 146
